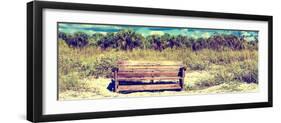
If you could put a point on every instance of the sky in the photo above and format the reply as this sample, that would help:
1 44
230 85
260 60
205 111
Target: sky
196 33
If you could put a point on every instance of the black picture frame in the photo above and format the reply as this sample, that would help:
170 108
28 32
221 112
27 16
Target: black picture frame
35 69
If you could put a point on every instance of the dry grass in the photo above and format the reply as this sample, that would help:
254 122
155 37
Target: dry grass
84 73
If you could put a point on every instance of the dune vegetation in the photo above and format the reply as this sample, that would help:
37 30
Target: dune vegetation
217 64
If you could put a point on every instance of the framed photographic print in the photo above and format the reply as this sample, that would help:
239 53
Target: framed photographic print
95 61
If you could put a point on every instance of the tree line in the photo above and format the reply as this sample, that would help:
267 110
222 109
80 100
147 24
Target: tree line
129 40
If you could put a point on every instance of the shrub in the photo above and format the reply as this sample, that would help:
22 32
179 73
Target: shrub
246 71
228 75
198 65
69 82
68 61
250 77
101 66
224 75
249 73
67 65
127 39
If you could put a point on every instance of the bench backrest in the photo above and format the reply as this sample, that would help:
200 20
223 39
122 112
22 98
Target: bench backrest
134 69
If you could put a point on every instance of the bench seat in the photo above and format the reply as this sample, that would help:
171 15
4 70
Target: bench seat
161 76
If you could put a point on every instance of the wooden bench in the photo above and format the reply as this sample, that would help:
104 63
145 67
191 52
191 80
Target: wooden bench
170 74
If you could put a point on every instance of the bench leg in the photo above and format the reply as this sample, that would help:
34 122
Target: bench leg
116 86
116 82
182 79
181 82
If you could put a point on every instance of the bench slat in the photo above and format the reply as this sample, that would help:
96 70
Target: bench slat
144 65
148 78
147 74
148 87
149 63
146 69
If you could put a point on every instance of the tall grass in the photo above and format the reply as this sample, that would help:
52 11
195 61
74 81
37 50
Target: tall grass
245 71
77 63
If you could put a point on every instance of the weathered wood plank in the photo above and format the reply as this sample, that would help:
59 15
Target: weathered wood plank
146 65
148 87
147 78
149 63
147 74
147 69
